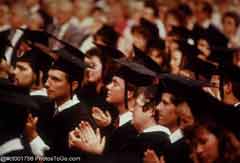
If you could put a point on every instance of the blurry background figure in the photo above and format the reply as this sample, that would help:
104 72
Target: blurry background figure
230 27
63 28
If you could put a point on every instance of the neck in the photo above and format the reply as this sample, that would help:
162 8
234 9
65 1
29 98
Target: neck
99 87
61 101
121 108
147 125
173 128
230 99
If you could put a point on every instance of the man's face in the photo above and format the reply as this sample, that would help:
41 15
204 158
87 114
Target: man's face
58 87
167 114
23 75
115 91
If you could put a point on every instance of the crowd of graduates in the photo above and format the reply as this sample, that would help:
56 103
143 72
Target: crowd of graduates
108 81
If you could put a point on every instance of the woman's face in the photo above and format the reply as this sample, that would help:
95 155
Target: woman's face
176 58
139 41
229 25
207 146
203 46
156 56
94 72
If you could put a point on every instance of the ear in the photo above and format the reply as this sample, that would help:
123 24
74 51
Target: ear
130 94
75 85
228 87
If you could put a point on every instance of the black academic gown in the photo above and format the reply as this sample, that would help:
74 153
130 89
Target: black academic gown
133 150
91 99
120 136
178 151
60 126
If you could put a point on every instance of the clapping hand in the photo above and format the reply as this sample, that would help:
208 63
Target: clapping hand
84 138
102 119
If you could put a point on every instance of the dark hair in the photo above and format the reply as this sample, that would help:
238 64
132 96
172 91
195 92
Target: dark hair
233 15
206 7
153 5
229 150
178 15
108 35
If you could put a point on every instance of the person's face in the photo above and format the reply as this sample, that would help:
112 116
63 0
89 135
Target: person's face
156 56
30 3
148 13
63 16
116 91
176 58
207 146
139 41
140 117
204 47
170 22
94 72
167 114
236 59
23 75
200 14
229 25
58 87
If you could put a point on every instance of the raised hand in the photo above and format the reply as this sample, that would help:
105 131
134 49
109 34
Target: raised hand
102 119
84 138
151 157
31 127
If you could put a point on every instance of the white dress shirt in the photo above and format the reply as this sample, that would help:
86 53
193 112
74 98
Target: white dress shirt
16 37
11 145
176 135
157 128
125 117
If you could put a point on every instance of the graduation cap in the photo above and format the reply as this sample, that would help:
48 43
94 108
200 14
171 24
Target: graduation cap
134 73
215 37
142 58
109 52
151 27
38 36
202 104
37 59
70 64
108 35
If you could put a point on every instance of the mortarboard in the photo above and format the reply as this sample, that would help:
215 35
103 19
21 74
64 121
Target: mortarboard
35 36
142 58
151 27
215 37
70 64
133 73
109 52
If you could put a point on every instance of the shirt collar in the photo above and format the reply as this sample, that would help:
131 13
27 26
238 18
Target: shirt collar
5 27
176 135
11 145
69 103
157 128
125 117
40 92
